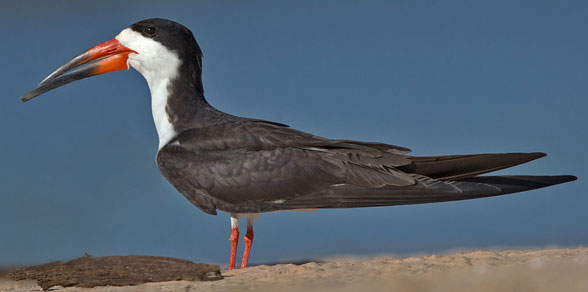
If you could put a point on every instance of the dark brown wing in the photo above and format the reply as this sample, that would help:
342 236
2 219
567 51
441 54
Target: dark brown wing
250 166
426 190
246 165
453 167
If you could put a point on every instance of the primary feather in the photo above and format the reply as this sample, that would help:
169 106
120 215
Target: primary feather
251 166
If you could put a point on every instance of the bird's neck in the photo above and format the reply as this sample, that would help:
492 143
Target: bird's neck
163 125
177 103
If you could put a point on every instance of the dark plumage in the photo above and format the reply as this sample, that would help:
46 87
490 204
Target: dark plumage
251 166
241 165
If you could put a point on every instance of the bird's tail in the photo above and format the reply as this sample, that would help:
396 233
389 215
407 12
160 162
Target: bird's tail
427 190
438 179
453 167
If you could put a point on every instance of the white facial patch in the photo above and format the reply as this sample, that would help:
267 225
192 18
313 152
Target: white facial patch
159 66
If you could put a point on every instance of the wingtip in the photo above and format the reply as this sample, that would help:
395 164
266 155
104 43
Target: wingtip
28 96
537 155
560 179
527 156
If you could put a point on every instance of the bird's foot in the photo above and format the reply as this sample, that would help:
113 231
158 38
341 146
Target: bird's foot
248 239
234 242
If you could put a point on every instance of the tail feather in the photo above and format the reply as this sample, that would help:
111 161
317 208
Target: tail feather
454 167
509 184
426 190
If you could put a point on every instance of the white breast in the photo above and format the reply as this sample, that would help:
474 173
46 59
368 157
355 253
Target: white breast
159 94
159 66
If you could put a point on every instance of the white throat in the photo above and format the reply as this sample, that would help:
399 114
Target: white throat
159 94
159 66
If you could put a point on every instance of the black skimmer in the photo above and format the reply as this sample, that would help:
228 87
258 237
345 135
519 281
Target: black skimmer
247 166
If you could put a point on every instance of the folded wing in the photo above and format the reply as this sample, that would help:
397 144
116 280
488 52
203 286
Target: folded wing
256 166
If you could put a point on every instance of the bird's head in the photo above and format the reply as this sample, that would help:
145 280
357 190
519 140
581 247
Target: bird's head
156 48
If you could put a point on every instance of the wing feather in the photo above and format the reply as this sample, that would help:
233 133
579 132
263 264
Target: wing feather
255 166
244 163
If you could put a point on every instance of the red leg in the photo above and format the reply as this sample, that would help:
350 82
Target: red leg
234 241
248 238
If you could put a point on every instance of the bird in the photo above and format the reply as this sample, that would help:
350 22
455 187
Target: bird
247 166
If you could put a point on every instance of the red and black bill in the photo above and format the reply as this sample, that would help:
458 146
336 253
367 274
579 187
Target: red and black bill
106 57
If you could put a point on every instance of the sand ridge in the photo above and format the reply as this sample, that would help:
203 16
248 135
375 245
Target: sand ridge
510 270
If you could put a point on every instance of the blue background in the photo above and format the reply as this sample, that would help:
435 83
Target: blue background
78 167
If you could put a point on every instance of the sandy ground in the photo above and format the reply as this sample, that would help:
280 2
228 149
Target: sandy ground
511 270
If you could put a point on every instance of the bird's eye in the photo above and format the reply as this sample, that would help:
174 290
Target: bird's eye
150 30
